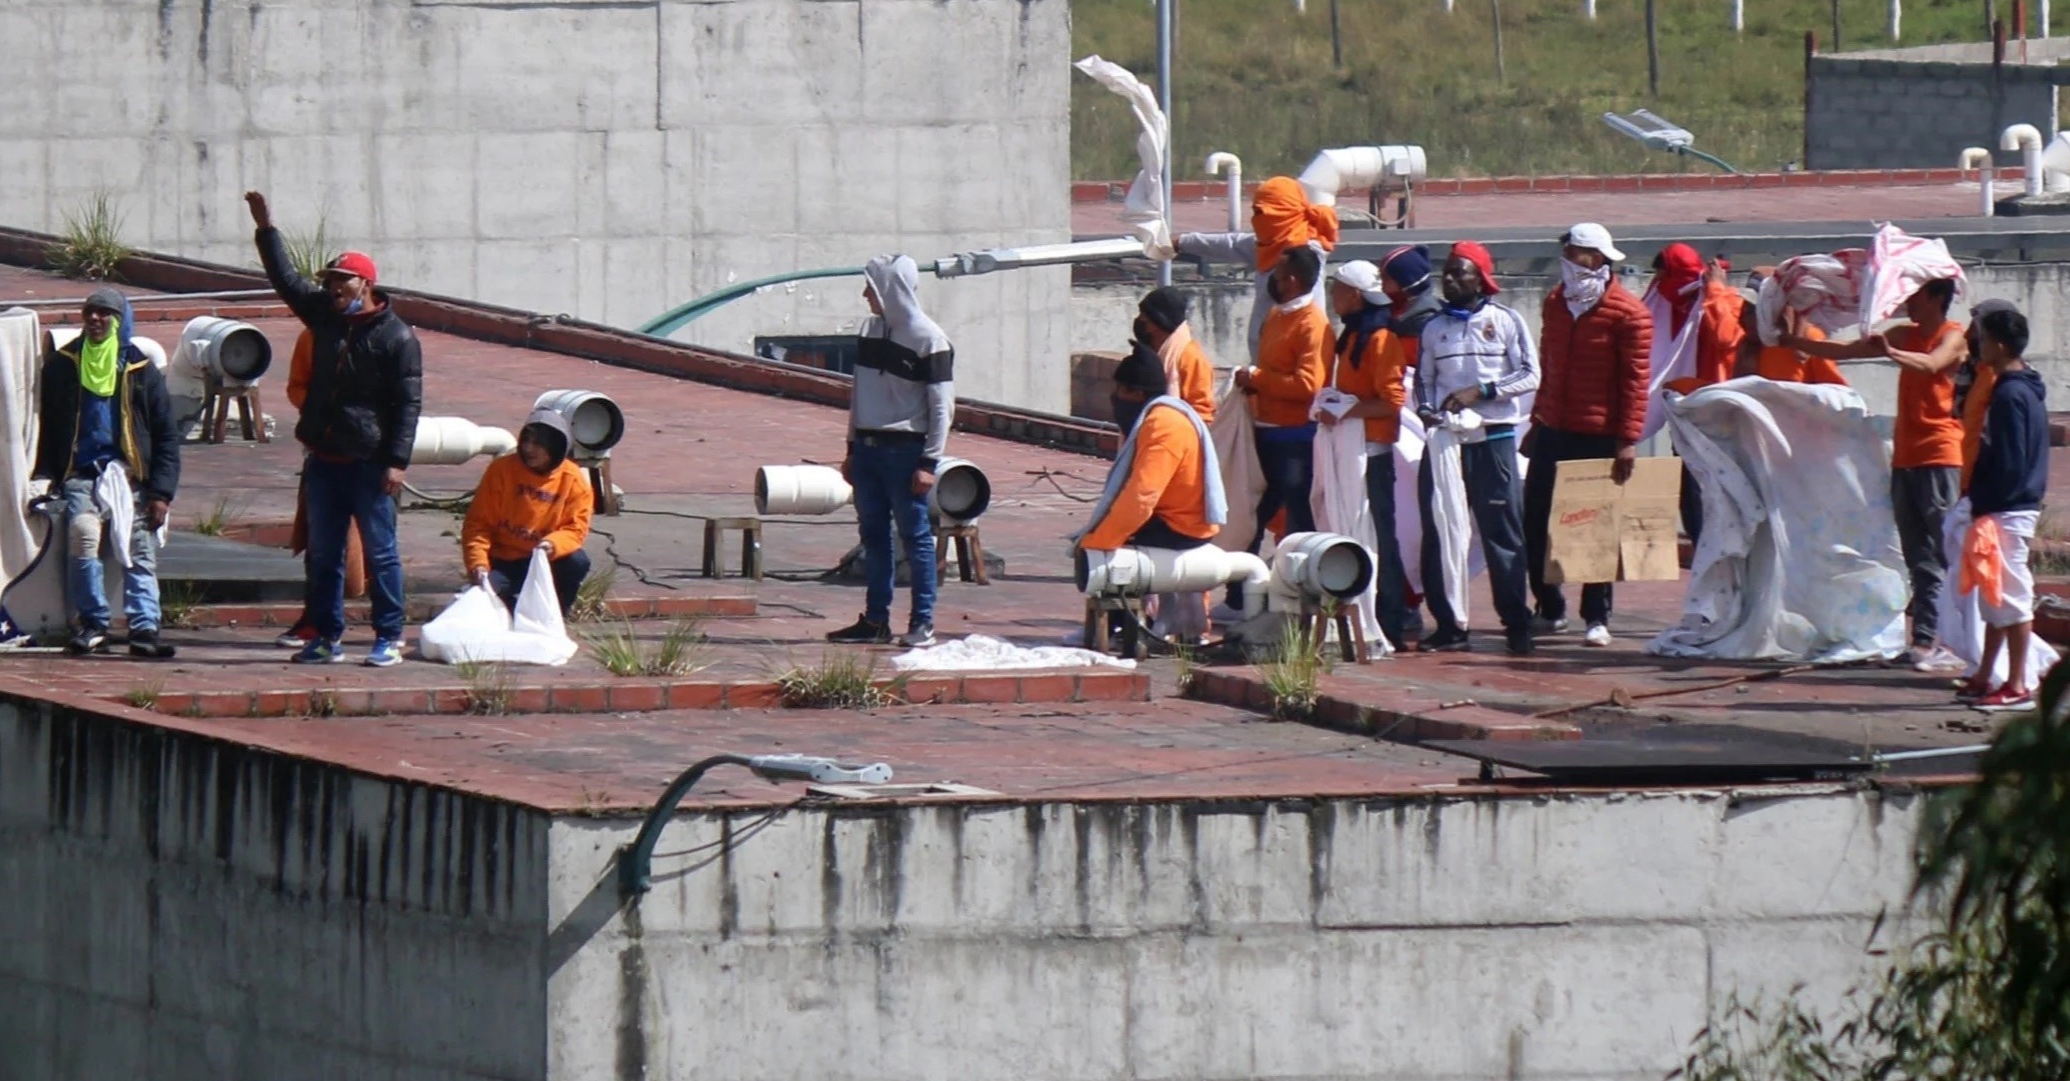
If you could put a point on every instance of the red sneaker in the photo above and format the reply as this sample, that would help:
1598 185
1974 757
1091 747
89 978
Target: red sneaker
2005 699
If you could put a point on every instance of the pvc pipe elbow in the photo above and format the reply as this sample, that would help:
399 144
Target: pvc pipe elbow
1976 157
2019 137
1222 159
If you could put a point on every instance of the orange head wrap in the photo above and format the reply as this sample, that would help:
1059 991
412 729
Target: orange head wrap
1282 217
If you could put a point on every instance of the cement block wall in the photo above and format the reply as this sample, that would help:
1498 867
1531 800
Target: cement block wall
605 158
183 909
1893 110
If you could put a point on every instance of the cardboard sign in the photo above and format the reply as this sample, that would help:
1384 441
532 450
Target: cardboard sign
1602 531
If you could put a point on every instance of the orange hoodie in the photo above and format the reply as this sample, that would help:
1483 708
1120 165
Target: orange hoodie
514 509
1293 360
1717 339
1377 377
1165 481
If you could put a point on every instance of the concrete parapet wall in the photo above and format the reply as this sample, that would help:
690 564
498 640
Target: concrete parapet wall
1563 937
185 909
605 159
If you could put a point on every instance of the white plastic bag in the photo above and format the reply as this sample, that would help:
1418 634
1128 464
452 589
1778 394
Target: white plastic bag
476 628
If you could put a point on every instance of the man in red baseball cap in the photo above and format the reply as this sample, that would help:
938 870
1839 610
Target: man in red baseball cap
358 425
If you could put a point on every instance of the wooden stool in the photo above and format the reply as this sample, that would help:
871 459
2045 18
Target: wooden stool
1351 637
215 411
750 546
1097 637
970 554
607 501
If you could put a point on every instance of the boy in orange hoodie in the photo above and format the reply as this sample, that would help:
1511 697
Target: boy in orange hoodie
533 499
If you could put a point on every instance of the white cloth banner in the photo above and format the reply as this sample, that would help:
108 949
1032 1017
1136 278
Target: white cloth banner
1799 556
1855 288
1672 358
1338 499
477 629
1243 479
1961 622
1143 210
1449 514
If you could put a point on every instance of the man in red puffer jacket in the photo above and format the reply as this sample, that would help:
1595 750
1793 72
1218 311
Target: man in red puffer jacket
1593 353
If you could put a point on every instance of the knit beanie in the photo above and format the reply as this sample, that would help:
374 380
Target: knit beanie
1166 307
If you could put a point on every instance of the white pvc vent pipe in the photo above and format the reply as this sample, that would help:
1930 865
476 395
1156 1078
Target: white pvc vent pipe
1139 572
1978 158
594 420
2026 139
453 440
1216 163
800 489
1322 566
961 491
1391 168
234 352
2055 164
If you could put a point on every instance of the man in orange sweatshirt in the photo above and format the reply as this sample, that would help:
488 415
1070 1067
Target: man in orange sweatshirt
1161 325
534 499
1294 350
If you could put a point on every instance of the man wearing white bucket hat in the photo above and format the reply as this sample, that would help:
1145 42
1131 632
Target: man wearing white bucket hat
1593 353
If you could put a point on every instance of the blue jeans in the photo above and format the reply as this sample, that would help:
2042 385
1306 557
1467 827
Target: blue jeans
1391 587
86 580
507 577
882 473
338 493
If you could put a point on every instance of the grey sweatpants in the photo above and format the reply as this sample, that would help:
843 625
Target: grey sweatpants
1920 499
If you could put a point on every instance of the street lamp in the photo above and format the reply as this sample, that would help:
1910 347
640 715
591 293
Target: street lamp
636 861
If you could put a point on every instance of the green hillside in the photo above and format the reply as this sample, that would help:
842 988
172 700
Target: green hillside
1255 78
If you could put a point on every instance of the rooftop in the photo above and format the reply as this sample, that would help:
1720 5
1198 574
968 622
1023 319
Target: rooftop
577 739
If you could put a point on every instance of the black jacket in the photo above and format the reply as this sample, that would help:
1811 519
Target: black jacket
2012 461
146 432
366 374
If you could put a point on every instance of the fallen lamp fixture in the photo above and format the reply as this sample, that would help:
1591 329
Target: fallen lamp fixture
636 861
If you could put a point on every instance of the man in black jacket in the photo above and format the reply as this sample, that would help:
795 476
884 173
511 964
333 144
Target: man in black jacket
358 424
109 449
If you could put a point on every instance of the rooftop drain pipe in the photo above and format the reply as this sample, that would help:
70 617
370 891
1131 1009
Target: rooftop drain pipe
1978 158
2026 139
1216 163
1139 572
961 494
1319 567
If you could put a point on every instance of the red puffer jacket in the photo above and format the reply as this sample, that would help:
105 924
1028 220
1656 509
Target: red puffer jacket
1593 371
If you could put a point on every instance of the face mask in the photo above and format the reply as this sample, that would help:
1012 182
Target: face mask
1127 411
358 302
1582 287
1142 329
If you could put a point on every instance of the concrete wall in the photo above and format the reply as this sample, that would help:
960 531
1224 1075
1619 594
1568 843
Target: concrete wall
185 910
1555 938
1919 108
605 158
1102 313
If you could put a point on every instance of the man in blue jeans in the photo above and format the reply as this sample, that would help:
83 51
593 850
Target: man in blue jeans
358 424
109 448
898 429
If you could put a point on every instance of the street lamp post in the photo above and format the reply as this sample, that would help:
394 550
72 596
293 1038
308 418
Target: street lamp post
1164 102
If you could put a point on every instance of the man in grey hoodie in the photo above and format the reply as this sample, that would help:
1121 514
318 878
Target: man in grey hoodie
898 429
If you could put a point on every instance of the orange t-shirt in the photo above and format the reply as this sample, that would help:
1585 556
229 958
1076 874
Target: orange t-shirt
1784 365
1167 480
1376 377
1293 360
1927 431
1974 405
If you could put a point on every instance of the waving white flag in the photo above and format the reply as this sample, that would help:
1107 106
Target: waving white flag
1143 210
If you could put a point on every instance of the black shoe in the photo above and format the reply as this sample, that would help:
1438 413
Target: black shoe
146 644
1446 640
88 640
1519 641
862 633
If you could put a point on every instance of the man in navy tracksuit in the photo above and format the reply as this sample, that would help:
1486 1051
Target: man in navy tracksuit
2005 493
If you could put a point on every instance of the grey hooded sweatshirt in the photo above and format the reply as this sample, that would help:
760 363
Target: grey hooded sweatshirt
904 368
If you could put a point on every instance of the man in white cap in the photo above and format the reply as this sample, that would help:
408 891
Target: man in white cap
1593 352
1370 365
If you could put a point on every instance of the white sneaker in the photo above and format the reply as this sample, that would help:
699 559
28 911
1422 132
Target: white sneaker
1598 635
1937 659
